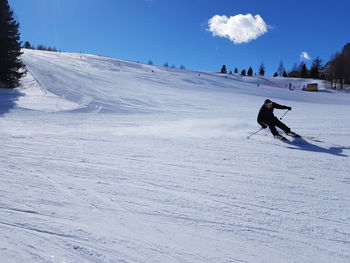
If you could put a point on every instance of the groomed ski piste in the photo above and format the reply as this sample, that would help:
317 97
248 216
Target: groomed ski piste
104 160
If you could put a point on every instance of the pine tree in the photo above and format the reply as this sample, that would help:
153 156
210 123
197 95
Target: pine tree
295 72
11 65
284 74
262 70
315 68
52 49
276 74
223 69
236 70
304 71
243 72
27 45
250 71
41 47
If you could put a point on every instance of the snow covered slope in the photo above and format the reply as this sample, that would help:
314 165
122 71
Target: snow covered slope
106 160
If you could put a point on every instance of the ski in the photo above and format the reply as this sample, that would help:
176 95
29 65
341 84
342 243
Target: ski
281 138
311 138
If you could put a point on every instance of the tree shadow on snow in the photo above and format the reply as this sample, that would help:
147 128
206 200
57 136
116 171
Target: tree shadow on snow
8 99
304 145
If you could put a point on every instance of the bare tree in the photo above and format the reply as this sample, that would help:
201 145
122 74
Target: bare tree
280 69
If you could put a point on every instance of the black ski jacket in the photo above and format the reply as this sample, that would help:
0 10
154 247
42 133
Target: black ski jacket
265 116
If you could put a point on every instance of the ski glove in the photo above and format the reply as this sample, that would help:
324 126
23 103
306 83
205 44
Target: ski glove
263 126
289 108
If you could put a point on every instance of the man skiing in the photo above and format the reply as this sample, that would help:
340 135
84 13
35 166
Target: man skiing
267 119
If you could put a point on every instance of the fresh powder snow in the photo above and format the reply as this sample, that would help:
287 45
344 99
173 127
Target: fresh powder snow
105 160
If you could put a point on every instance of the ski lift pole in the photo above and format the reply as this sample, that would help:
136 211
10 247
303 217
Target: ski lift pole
250 135
284 114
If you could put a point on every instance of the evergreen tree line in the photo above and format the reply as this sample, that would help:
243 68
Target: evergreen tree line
336 71
244 72
166 65
27 45
297 72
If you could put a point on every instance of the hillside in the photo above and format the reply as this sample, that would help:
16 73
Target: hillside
107 160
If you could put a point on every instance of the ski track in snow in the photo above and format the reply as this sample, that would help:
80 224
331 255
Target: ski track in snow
104 160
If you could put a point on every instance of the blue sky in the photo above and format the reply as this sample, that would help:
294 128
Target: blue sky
177 31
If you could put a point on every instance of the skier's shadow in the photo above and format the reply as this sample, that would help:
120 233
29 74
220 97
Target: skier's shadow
304 145
8 99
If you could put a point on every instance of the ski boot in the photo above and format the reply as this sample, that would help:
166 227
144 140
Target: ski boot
293 134
280 137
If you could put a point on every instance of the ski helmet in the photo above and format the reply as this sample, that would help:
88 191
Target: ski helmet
268 102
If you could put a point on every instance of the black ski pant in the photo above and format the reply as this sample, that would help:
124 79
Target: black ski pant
275 122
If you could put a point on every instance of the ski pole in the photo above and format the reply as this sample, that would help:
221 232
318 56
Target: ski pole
284 114
250 135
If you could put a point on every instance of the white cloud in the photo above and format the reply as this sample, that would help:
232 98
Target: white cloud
304 56
239 29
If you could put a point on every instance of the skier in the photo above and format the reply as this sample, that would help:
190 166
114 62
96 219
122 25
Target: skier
267 119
